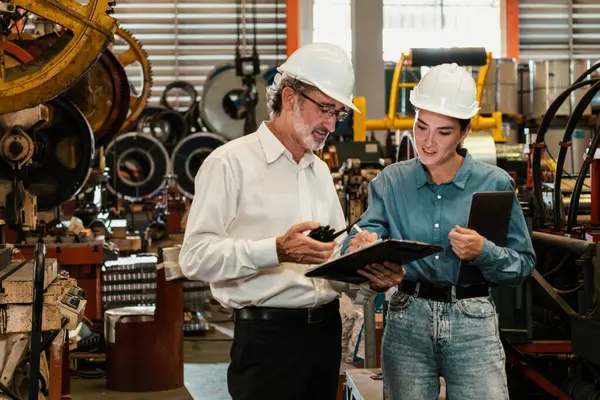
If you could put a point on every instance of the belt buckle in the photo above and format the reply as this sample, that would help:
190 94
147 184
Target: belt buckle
444 292
313 317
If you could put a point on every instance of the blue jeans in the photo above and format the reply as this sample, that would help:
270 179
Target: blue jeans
459 340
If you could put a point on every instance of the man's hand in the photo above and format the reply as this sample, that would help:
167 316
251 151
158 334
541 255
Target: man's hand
467 244
296 247
383 276
363 238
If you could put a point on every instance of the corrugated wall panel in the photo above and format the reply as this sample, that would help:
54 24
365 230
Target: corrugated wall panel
559 29
186 39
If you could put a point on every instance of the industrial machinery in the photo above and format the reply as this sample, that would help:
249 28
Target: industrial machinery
419 57
37 307
88 30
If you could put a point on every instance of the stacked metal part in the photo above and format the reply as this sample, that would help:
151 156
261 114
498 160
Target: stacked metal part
129 281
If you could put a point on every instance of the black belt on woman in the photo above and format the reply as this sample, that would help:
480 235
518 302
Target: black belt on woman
440 292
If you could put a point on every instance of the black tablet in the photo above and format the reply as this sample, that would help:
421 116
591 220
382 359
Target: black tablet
490 215
345 268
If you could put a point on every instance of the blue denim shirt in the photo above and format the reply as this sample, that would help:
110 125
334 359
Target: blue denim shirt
404 203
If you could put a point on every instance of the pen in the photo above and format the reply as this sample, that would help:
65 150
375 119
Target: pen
357 228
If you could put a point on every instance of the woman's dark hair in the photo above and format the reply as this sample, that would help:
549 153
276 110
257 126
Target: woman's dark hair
464 123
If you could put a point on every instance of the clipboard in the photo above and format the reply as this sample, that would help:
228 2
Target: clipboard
344 269
489 215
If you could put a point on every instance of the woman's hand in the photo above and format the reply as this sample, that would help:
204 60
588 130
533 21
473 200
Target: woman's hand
467 244
383 276
363 238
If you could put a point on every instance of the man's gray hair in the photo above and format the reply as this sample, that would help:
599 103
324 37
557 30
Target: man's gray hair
274 92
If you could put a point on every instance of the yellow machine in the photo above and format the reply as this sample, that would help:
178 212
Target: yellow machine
436 56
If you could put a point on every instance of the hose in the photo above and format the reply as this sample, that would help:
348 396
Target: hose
36 319
538 148
587 72
562 154
574 205
192 114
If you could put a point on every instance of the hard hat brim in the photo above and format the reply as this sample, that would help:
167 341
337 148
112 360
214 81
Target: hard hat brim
345 101
438 109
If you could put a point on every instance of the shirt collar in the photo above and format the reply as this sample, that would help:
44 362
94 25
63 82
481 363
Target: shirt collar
274 149
459 180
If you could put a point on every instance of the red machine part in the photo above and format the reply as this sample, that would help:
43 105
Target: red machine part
595 189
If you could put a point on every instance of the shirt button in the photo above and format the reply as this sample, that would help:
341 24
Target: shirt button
437 257
439 196
437 225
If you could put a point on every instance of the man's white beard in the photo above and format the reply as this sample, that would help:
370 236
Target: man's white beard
305 131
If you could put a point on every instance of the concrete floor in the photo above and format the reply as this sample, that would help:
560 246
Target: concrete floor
205 372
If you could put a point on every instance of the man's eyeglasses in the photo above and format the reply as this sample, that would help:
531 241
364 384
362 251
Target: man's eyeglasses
328 111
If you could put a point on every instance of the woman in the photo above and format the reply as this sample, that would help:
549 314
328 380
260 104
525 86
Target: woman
437 327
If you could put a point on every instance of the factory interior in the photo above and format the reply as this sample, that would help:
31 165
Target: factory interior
108 110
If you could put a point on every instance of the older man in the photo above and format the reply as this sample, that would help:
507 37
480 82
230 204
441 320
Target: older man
246 234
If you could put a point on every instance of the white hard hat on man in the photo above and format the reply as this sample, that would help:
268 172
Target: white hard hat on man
324 66
447 89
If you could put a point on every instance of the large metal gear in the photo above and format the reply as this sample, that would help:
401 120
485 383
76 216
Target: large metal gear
88 31
135 53
102 94
15 55
50 147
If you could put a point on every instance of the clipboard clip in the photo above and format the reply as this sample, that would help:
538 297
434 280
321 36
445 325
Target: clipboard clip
327 234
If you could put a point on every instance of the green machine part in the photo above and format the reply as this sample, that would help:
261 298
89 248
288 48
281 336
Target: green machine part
409 75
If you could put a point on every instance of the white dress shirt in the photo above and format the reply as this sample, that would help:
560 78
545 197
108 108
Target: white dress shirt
248 192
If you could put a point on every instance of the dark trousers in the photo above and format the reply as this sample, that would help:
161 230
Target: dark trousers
285 360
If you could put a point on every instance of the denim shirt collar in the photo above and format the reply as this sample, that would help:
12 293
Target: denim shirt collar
459 180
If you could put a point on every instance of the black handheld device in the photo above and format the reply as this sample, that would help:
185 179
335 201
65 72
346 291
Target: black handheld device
328 234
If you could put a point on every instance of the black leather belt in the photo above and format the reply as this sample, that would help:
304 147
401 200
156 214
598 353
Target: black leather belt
438 292
298 315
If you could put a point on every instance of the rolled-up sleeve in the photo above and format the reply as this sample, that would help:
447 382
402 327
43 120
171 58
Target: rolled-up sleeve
515 262
208 253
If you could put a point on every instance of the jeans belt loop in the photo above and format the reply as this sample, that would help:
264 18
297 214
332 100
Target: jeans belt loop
417 288
453 294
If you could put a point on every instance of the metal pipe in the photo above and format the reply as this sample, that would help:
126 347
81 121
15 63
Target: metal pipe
370 334
36 320
577 246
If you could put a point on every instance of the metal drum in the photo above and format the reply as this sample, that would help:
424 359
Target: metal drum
220 106
189 155
481 146
500 92
525 90
578 67
510 132
549 79
575 153
139 165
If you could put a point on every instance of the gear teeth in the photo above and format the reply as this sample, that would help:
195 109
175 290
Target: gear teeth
142 57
